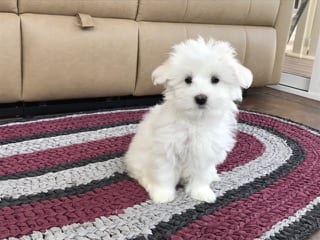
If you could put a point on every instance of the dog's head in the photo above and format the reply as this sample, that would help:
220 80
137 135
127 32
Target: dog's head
202 76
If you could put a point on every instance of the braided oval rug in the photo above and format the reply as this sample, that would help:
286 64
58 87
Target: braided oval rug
63 178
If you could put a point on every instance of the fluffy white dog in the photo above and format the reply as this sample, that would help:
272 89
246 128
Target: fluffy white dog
184 138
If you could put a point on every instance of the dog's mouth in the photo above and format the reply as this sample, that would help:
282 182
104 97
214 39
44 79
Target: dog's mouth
201 107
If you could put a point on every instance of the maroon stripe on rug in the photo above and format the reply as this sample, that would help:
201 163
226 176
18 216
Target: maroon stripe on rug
246 149
67 154
67 123
250 217
39 216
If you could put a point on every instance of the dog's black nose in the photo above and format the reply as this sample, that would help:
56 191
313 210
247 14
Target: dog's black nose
201 99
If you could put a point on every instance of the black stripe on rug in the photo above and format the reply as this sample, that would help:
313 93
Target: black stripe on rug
53 194
301 229
61 115
62 166
66 132
178 221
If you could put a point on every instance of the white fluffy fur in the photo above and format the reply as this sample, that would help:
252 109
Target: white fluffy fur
180 141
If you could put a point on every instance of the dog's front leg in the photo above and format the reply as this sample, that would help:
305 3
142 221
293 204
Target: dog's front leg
162 187
215 176
199 185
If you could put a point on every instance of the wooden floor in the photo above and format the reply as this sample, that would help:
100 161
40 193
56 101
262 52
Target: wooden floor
283 104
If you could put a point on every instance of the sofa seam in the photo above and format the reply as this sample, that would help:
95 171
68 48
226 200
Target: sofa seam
135 85
186 32
138 9
21 59
245 46
248 13
185 10
58 14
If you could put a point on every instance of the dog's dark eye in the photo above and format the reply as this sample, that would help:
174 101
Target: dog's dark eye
188 80
215 80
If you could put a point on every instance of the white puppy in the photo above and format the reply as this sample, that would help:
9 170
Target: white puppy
191 132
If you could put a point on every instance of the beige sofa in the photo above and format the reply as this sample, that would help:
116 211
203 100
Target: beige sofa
47 53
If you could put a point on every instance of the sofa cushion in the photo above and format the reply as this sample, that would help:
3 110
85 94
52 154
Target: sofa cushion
10 64
240 12
8 6
97 8
255 47
64 61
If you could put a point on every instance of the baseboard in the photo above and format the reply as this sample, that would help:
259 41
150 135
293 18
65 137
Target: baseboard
298 92
298 82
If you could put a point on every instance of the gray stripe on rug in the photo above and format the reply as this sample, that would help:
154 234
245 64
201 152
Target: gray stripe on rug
60 180
42 144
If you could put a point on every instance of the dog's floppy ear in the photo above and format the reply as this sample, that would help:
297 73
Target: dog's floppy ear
160 74
243 75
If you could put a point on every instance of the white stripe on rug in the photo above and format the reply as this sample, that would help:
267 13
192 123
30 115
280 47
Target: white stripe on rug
141 218
64 140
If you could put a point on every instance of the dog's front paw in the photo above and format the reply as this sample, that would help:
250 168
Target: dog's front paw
203 194
162 195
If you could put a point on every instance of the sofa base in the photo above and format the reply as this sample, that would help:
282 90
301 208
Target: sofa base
28 110
11 110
